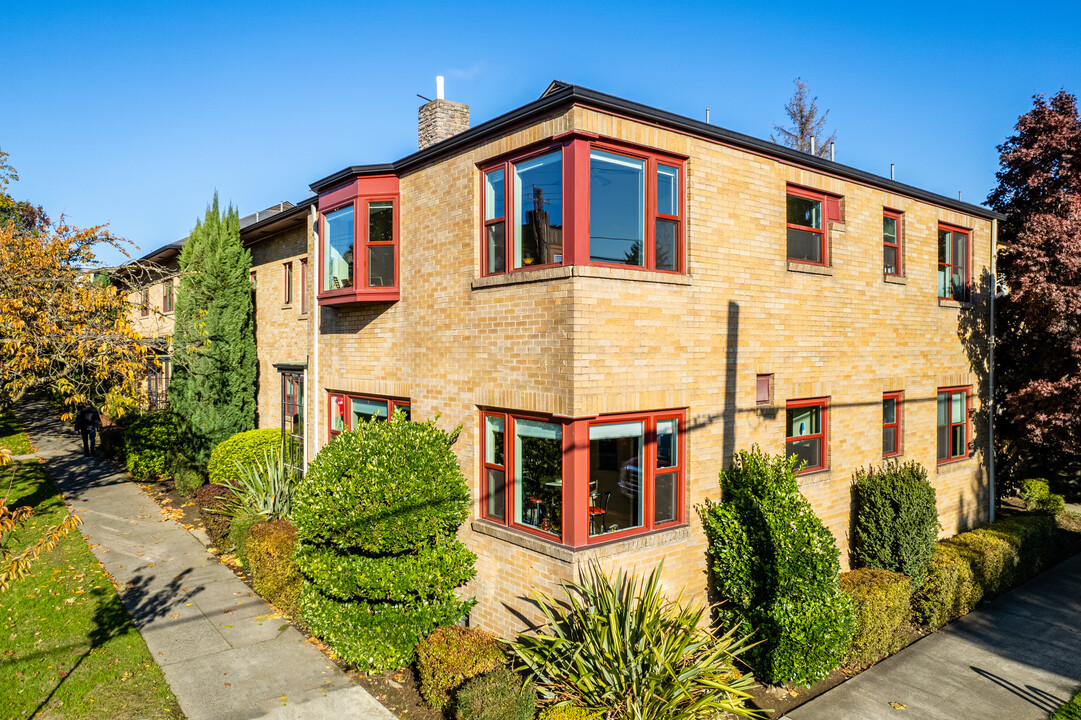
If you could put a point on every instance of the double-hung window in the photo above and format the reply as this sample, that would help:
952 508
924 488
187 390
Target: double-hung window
287 283
806 423
891 243
144 302
891 424
952 424
167 297
349 411
953 269
807 216
359 242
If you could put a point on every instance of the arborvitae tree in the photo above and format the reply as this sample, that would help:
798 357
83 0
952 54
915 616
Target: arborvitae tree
214 362
1038 320
806 122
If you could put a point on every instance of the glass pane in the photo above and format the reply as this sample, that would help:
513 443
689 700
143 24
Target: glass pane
889 230
804 421
958 449
889 411
943 442
957 402
493 442
889 264
667 443
804 211
497 248
538 475
617 199
944 246
942 285
664 498
889 440
338 245
496 504
943 403
616 462
665 253
804 245
809 451
960 261
538 199
493 195
365 410
381 266
667 190
381 222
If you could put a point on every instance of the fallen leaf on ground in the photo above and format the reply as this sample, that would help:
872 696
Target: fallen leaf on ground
898 706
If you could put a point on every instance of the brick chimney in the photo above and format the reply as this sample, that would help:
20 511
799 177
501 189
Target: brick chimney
439 119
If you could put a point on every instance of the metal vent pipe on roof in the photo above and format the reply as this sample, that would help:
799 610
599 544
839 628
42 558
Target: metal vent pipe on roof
833 152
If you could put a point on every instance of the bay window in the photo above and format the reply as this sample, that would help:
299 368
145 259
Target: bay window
348 411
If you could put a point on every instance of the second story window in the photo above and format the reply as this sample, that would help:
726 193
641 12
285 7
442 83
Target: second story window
953 274
144 302
287 283
167 297
338 229
952 424
806 230
891 243
534 204
303 286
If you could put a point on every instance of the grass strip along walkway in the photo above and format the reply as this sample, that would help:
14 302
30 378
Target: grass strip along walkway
12 436
1069 711
70 649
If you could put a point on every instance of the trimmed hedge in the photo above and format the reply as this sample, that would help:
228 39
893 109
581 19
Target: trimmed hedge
983 563
498 695
245 448
275 575
376 517
881 601
239 526
212 501
149 441
896 523
450 656
1037 495
776 565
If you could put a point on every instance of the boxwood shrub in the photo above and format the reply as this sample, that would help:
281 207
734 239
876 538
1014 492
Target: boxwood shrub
149 441
1037 495
244 448
881 601
450 656
376 517
275 574
896 523
776 566
498 695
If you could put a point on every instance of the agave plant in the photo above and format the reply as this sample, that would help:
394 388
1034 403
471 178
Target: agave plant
623 648
265 487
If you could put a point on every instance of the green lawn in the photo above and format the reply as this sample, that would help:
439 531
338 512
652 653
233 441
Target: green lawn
12 436
68 648
1069 711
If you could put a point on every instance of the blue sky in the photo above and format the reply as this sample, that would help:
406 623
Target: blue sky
135 113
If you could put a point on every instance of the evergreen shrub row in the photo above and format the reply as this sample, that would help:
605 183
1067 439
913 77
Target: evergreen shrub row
881 601
275 574
149 441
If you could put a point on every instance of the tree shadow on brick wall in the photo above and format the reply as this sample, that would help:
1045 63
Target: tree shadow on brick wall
974 330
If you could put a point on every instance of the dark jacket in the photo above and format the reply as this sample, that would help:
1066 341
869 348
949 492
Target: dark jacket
87 418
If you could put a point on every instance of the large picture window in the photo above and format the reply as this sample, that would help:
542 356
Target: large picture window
952 424
349 411
806 432
953 277
338 228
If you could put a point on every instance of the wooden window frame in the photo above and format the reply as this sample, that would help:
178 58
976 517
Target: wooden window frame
899 270
823 434
287 283
949 392
576 465
575 147
949 266
897 426
333 396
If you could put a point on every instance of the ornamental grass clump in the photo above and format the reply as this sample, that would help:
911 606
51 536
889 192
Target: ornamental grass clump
621 647
896 523
376 517
776 568
263 487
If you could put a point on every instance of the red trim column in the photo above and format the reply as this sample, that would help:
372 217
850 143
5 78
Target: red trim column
576 203
576 491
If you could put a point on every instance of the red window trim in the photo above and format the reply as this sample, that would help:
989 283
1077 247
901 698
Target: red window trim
333 405
287 283
967 390
822 402
304 286
830 213
575 530
897 425
967 232
576 147
900 270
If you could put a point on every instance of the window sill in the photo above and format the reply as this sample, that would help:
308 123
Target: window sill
943 302
814 477
302 316
567 554
353 297
802 267
567 271
287 306
895 279
946 466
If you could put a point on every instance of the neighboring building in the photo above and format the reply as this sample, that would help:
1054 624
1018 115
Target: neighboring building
611 300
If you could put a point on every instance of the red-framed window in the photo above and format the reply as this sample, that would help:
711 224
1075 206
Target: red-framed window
144 302
953 409
348 410
807 215
892 410
586 480
806 432
287 283
303 286
584 201
954 272
167 297
891 243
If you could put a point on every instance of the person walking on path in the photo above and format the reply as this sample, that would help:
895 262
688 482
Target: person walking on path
87 422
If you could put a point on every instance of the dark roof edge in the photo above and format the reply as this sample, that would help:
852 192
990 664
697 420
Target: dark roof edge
558 94
283 215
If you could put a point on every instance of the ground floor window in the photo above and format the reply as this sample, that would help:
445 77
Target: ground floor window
292 421
347 411
806 422
583 479
891 424
157 384
952 424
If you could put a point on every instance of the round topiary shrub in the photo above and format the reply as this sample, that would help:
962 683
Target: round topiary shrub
376 517
245 448
498 695
776 566
149 441
896 522
213 500
450 656
275 574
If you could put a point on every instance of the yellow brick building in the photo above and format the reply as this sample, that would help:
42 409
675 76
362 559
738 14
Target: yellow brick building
611 300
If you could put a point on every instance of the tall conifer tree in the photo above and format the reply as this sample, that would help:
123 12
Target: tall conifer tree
213 386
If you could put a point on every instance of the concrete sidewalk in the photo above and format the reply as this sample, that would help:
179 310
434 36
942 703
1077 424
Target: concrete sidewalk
1018 657
225 654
